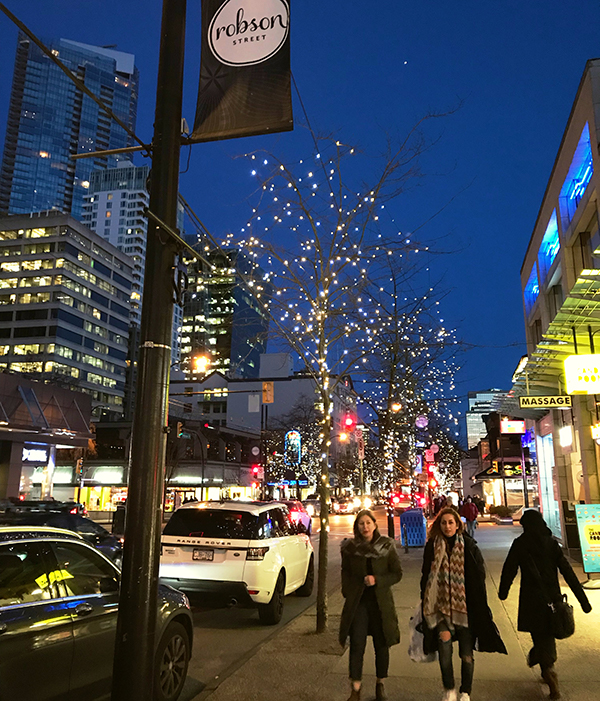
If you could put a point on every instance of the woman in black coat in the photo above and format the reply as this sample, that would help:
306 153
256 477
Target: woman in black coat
454 601
539 557
370 566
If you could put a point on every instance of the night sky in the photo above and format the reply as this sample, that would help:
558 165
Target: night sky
365 70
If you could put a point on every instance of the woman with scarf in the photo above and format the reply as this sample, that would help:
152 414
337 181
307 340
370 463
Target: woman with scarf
454 601
539 557
370 566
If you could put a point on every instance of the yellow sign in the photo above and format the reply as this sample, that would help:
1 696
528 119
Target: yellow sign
554 402
267 393
595 432
582 373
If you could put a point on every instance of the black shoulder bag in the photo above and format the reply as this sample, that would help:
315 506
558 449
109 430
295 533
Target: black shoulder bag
562 620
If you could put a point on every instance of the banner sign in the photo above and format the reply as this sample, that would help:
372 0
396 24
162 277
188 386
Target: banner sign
512 426
245 80
554 402
293 448
588 525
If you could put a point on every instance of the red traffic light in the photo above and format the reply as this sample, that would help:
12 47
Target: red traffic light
255 469
349 422
433 483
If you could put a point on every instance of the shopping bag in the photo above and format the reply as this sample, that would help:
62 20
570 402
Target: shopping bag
415 646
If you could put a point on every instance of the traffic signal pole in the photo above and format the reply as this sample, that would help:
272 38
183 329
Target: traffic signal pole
133 673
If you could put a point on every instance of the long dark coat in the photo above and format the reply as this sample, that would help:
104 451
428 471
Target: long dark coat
534 612
486 637
387 571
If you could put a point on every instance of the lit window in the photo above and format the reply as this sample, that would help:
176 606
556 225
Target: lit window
550 247
579 175
531 291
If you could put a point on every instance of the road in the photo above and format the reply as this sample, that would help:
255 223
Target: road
224 638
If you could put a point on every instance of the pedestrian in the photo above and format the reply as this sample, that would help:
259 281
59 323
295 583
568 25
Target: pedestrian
370 566
539 557
469 512
454 601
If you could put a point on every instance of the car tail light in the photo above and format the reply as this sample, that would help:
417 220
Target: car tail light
73 511
253 591
256 553
396 500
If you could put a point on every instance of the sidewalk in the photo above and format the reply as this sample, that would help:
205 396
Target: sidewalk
297 665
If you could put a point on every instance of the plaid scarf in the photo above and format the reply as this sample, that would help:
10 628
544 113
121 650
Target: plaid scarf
445 596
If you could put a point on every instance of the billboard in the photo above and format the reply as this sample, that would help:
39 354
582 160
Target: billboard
582 373
245 79
512 426
588 525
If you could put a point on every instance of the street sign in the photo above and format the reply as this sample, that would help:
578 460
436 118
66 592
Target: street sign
429 455
558 401
268 392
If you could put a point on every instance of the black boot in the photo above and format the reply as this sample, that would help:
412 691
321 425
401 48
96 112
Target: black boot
354 695
380 694
549 676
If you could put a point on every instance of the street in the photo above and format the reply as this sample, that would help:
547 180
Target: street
224 638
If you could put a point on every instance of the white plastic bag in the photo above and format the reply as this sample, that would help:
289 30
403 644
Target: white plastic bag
415 646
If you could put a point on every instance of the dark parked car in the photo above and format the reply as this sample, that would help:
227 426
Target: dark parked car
58 613
91 532
18 505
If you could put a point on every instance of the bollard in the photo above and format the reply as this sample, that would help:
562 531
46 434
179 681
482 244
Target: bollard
405 533
390 519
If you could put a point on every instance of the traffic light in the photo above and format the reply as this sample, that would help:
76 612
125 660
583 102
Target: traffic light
255 471
179 429
433 483
349 423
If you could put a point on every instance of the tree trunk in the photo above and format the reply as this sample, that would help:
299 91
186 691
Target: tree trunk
324 516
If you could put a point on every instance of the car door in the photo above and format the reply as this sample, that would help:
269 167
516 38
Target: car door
90 591
284 531
36 631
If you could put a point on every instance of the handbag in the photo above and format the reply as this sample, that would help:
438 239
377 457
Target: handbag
562 618
415 646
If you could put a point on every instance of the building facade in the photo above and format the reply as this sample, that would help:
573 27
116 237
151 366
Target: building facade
64 305
560 281
480 404
222 321
49 120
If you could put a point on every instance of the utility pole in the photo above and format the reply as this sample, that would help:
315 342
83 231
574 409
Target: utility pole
136 626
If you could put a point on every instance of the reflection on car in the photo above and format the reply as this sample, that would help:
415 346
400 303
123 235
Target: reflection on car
249 553
58 612
299 514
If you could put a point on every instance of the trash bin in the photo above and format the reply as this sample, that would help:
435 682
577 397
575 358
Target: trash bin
413 528
118 521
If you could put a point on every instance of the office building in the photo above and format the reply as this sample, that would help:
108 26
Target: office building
64 305
49 120
222 321
480 403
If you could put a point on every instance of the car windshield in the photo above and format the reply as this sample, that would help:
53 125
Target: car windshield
212 523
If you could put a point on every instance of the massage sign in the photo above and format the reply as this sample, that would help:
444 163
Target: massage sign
245 82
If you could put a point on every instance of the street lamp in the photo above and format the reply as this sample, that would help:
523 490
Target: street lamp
201 363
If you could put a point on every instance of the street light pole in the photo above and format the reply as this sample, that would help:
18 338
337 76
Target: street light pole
136 625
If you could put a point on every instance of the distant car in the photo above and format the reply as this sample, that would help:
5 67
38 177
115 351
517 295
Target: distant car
58 615
400 501
342 505
312 504
299 514
251 553
91 532
20 506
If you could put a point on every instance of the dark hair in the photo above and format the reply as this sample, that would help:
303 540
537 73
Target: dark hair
436 526
371 515
533 523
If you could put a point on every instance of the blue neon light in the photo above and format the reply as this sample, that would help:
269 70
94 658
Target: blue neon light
531 291
579 175
549 248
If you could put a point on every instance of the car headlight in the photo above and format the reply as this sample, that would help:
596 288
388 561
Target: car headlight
310 510
356 502
367 503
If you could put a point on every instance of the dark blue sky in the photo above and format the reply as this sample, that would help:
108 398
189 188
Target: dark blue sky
366 69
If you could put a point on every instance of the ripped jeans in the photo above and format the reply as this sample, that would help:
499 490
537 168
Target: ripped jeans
465 650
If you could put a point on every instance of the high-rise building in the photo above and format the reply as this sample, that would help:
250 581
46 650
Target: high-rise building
114 209
481 403
64 305
49 120
222 321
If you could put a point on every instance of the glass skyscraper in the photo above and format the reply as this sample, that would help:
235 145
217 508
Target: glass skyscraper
49 120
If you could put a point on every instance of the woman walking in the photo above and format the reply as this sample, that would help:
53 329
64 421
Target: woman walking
370 566
454 600
539 557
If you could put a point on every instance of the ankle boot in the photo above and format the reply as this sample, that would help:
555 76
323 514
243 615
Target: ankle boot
354 694
550 677
380 694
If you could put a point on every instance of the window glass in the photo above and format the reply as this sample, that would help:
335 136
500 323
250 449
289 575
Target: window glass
23 575
209 523
280 523
82 572
265 525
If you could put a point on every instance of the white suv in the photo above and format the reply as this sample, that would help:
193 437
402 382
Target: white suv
252 553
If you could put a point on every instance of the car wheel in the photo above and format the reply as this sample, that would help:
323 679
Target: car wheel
271 613
307 588
172 658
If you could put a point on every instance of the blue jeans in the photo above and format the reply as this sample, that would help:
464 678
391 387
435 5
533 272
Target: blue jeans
471 526
465 650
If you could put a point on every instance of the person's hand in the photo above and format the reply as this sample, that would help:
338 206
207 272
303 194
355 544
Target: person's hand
587 607
370 580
